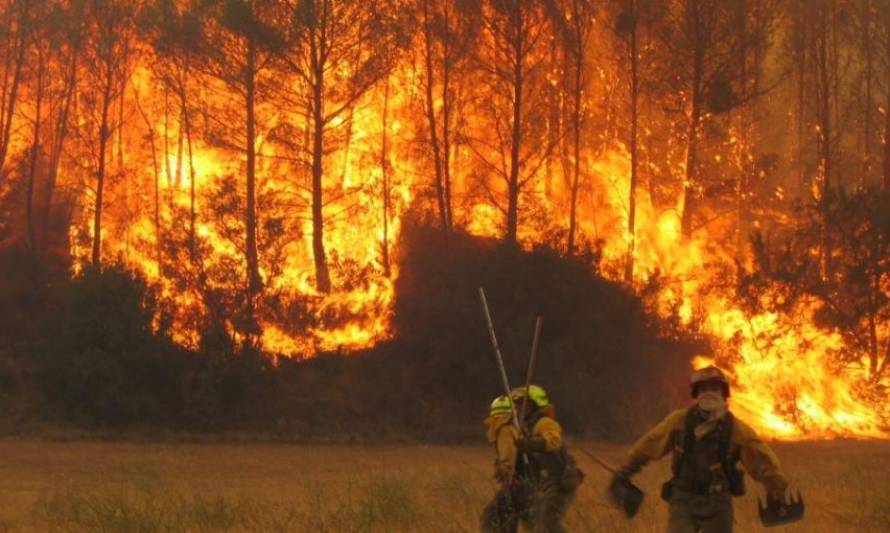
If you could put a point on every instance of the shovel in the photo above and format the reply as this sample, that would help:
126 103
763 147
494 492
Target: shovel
780 512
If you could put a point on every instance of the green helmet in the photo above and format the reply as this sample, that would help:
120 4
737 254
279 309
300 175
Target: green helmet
502 405
535 393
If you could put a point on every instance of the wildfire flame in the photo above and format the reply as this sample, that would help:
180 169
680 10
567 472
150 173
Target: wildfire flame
785 379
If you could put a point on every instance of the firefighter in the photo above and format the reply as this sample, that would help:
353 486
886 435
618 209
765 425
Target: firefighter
502 514
707 443
536 474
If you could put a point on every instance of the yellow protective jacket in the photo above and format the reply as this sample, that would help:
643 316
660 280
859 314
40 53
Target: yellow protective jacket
757 457
501 433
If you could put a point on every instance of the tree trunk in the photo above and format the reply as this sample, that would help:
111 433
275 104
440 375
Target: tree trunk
869 75
743 148
104 136
887 121
193 217
689 187
58 143
431 119
634 155
887 148
35 148
447 101
9 104
180 146
253 274
552 96
513 184
156 174
576 136
322 274
157 197
801 100
167 166
384 170
824 135
873 345
120 171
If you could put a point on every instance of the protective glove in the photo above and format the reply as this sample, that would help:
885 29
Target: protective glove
625 495
780 510
776 495
531 444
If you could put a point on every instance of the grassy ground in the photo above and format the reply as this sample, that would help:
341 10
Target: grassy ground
98 486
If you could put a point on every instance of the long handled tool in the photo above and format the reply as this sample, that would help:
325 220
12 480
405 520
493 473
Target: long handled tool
500 359
532 359
626 494
596 459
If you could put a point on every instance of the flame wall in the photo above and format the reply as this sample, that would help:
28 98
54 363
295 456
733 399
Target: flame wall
786 380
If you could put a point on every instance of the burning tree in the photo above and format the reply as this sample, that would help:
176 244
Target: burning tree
855 298
240 154
238 43
16 34
512 62
174 34
704 67
337 51
449 30
109 48
572 20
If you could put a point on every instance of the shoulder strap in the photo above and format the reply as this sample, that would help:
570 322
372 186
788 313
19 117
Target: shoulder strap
724 444
688 441
689 432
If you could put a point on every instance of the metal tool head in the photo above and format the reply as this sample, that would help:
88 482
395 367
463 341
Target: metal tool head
626 495
780 512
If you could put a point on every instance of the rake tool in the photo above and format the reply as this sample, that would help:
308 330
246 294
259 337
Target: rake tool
504 381
533 357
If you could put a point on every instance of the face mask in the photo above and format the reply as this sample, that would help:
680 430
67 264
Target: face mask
711 401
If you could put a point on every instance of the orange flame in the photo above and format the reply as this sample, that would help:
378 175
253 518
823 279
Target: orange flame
786 381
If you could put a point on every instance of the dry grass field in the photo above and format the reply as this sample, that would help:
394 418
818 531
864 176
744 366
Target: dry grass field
139 487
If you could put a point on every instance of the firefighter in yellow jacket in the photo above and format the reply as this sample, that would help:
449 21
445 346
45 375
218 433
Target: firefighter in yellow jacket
537 476
707 442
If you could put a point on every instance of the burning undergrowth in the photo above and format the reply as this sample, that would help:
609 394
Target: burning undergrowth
608 364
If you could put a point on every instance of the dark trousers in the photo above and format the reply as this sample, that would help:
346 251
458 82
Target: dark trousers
693 513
